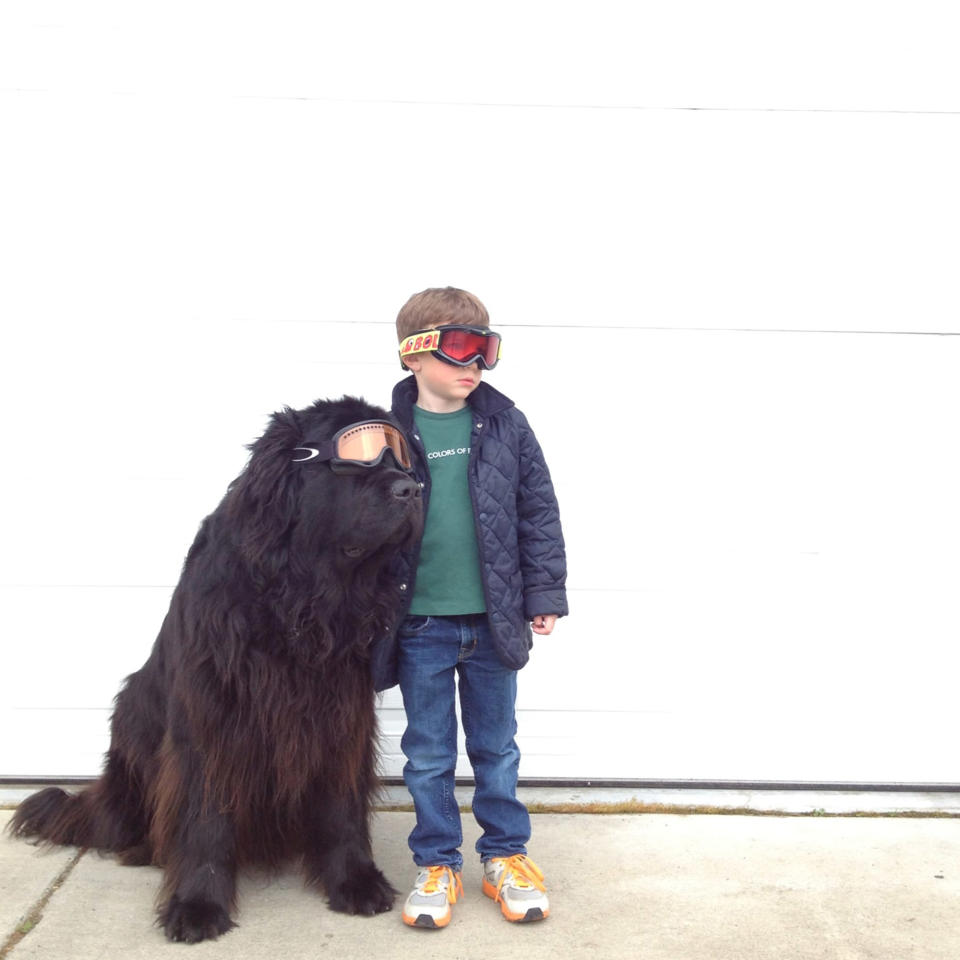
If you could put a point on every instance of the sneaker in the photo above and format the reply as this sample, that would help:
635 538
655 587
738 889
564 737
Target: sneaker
429 902
516 883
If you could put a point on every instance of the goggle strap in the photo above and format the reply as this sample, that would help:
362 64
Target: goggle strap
321 450
420 343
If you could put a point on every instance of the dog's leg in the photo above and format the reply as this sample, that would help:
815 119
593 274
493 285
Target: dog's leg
121 822
136 731
339 858
197 846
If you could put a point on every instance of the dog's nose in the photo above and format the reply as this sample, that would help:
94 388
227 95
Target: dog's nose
405 488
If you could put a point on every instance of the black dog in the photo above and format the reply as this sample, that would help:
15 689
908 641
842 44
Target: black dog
248 737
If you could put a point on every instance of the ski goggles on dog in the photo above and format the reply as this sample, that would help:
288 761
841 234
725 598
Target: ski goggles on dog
457 344
359 446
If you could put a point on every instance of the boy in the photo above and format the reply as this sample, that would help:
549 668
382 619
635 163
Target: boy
491 561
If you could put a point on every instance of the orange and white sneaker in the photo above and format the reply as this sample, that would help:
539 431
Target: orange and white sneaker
429 902
516 883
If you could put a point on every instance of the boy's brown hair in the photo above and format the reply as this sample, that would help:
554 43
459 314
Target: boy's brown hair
437 306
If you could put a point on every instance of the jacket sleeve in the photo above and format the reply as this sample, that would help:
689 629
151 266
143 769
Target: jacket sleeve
543 562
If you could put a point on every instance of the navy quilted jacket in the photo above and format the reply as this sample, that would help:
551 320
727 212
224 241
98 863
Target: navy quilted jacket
523 564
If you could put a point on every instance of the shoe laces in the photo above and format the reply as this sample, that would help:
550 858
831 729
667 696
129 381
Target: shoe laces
521 872
442 878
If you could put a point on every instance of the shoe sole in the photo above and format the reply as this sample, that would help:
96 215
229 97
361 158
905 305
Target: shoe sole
425 922
534 913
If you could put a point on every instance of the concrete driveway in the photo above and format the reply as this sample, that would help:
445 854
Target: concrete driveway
658 887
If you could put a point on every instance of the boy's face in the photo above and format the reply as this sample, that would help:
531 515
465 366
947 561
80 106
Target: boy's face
442 387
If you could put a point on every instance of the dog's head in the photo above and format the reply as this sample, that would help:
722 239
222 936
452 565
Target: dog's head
292 508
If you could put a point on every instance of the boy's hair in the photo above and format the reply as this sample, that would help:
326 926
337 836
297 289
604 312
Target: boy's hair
439 305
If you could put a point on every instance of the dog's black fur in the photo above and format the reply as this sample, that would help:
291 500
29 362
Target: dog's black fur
248 737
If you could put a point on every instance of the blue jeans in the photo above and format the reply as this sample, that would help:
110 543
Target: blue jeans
432 650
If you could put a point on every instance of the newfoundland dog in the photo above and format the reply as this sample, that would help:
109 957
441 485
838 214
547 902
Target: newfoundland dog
248 736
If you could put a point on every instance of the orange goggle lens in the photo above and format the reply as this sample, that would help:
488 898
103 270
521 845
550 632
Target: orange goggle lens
367 442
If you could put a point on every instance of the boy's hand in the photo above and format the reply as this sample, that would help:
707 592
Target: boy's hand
544 623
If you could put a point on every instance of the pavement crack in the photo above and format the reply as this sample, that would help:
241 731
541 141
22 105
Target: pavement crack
35 913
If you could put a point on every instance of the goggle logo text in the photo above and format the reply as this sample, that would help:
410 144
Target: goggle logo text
421 343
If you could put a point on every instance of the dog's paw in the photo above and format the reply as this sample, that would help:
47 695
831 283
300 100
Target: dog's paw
190 921
365 891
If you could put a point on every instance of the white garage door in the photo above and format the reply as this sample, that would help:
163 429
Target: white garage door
761 533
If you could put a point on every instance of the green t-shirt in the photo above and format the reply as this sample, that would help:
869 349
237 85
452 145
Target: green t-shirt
448 577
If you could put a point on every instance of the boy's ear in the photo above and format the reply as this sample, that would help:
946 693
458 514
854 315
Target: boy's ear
413 364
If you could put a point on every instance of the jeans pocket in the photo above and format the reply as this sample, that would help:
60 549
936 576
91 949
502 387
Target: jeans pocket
413 626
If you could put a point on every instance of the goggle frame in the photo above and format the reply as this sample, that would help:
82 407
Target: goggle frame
327 451
431 341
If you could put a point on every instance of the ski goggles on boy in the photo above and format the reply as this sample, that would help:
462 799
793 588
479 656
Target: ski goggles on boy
359 446
457 344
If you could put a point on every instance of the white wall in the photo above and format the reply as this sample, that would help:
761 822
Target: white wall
720 240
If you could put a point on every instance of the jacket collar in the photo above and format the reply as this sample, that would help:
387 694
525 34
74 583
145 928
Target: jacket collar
485 400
